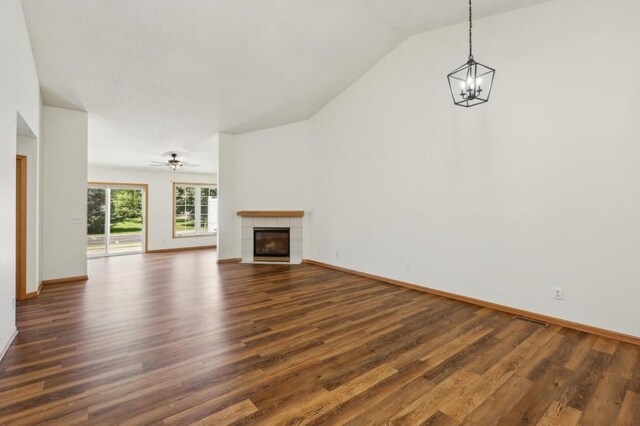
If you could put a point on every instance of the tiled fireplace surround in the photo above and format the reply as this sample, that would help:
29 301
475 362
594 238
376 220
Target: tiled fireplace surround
295 231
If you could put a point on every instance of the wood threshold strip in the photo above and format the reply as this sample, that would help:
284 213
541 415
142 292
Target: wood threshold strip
271 213
170 250
634 340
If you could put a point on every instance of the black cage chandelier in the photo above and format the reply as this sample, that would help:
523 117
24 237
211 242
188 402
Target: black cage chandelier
470 84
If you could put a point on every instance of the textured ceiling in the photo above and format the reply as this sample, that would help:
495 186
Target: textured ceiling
166 75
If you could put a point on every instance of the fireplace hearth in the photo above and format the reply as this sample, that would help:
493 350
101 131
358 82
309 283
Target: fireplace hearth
271 244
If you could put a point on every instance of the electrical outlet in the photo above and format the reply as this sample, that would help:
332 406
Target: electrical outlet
337 254
407 266
77 220
558 293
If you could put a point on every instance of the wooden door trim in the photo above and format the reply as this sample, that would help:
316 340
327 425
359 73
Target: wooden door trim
21 227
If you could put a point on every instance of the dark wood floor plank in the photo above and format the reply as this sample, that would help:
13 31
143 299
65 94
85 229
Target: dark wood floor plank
604 406
630 410
583 384
532 407
500 402
486 384
560 415
174 338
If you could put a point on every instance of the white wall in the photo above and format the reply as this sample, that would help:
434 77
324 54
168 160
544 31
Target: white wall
19 93
229 224
271 168
160 207
501 202
28 147
267 168
64 194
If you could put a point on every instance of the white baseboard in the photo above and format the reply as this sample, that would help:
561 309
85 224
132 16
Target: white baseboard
6 345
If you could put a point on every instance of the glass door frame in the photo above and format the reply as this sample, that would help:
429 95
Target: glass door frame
108 186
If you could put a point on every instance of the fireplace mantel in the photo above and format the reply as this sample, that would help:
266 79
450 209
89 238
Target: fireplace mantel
271 213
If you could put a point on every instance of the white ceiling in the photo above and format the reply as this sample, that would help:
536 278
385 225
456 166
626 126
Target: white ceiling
167 75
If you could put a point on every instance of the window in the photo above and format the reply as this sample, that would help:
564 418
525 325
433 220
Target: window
195 209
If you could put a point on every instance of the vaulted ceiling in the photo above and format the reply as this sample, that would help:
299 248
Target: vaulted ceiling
165 75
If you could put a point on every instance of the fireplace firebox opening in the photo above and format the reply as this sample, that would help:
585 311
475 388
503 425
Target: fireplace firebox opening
271 244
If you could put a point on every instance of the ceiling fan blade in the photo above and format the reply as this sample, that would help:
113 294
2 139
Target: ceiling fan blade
157 165
159 162
190 165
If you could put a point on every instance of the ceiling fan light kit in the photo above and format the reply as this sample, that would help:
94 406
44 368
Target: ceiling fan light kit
470 84
173 163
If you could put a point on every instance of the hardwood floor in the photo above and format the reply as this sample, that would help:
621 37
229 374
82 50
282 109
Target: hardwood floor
175 338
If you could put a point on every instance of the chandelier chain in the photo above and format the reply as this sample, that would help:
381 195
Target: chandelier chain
470 28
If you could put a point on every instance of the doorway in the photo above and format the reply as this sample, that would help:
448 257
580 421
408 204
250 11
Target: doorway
116 219
21 227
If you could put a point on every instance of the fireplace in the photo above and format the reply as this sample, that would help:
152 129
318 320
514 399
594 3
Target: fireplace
271 244
271 236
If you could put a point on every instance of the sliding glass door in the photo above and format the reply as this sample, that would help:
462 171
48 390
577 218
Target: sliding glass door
96 221
115 219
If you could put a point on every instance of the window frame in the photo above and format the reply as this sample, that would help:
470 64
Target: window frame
197 207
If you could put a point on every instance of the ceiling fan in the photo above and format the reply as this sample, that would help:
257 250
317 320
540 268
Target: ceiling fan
173 163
